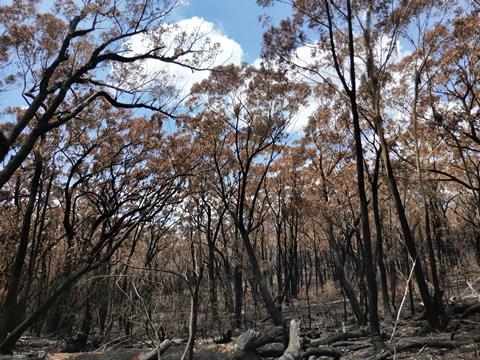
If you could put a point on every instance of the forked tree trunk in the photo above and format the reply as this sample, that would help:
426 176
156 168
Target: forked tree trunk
342 278
352 95
432 312
192 326
437 301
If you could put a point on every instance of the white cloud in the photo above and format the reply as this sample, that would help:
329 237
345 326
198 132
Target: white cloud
300 119
310 56
305 57
208 45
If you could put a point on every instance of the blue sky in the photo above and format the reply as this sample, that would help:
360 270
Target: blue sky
237 19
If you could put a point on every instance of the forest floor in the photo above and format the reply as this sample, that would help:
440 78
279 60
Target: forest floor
408 332
412 340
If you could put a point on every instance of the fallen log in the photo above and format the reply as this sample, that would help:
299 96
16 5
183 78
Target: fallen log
347 343
153 354
323 351
250 340
435 344
471 310
333 338
121 354
461 307
271 350
240 355
352 345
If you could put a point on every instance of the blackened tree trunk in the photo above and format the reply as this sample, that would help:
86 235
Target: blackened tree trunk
238 289
9 341
435 311
212 235
357 134
379 238
194 286
10 312
278 233
273 310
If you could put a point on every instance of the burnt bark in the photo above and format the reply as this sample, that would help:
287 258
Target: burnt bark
10 313
352 96
379 239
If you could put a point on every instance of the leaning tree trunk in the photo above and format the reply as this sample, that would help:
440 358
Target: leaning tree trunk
337 262
378 225
272 309
192 328
431 311
9 342
10 309
342 278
